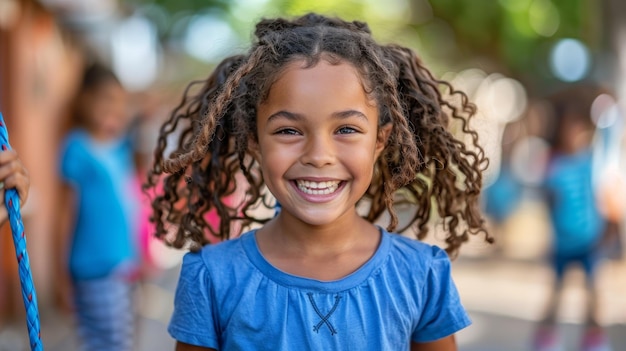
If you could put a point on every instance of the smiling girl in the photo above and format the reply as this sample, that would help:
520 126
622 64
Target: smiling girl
327 121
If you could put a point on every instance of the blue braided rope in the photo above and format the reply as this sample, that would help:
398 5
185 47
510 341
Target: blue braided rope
12 201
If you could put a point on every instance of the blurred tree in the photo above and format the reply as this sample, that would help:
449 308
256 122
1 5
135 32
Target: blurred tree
513 37
516 35
175 6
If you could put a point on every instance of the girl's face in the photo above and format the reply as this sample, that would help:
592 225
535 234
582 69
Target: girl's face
106 110
318 141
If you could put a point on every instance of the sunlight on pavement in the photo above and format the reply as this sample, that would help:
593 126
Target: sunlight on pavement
156 303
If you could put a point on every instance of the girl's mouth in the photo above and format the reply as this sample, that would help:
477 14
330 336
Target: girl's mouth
318 188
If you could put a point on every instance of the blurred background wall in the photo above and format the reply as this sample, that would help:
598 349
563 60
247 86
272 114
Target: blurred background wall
38 67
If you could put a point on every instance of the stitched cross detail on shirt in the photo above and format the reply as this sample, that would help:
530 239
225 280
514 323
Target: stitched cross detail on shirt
324 318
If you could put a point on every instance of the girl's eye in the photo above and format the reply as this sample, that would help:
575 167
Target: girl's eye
346 130
287 131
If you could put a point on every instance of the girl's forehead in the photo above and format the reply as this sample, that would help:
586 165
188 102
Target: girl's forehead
326 71
300 77
322 89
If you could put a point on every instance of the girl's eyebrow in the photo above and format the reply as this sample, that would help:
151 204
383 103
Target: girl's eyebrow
350 113
298 117
285 114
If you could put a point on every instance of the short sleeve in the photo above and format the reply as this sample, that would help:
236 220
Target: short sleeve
442 313
72 159
193 318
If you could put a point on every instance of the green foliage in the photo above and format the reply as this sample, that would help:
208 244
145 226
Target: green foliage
510 35
515 35
175 6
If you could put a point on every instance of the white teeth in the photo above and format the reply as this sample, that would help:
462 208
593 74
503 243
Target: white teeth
317 188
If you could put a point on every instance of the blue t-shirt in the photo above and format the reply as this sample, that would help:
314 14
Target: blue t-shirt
102 175
230 298
574 213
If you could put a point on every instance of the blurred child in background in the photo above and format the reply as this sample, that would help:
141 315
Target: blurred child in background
98 214
578 225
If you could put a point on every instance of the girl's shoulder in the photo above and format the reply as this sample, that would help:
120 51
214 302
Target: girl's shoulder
413 249
416 258
215 257
225 248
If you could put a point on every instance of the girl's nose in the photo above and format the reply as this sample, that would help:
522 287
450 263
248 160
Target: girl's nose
319 152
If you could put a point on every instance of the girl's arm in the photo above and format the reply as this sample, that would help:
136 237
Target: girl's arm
445 344
180 346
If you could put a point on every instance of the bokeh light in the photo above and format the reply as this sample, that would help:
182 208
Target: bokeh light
504 99
604 111
209 38
570 60
135 52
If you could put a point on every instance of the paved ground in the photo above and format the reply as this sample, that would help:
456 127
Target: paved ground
506 298
498 333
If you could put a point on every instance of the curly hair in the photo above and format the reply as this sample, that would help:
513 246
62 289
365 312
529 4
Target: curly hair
423 162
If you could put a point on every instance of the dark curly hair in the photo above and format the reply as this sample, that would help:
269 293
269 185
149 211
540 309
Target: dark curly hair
423 162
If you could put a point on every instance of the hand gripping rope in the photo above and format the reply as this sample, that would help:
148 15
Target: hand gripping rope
12 201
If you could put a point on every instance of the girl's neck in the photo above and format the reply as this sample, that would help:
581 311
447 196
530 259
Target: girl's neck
324 253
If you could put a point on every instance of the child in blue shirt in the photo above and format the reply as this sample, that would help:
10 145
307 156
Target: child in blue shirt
578 225
98 224
333 126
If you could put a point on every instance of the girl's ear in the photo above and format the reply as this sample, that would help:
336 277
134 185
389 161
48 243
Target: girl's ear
381 140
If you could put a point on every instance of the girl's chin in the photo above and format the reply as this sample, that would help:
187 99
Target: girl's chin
318 218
